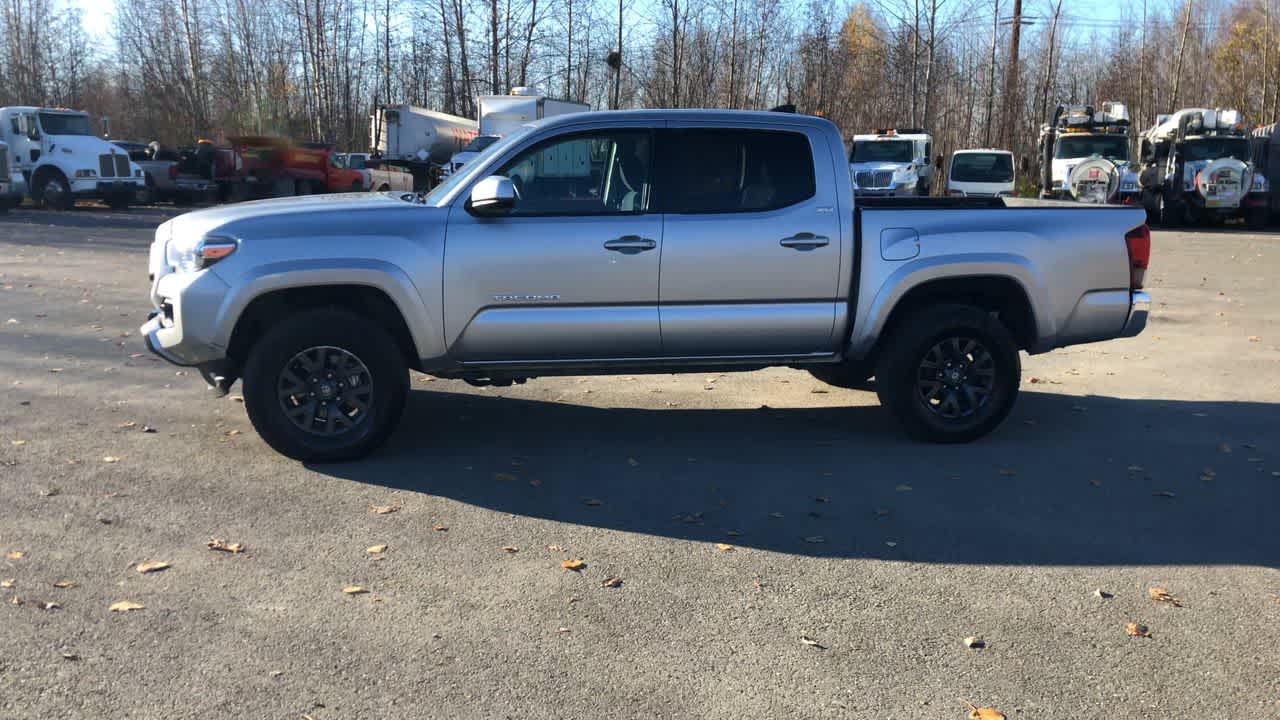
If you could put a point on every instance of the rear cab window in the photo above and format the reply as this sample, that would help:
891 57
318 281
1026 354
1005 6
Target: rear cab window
731 170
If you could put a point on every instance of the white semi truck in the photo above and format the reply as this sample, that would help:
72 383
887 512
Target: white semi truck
502 114
419 140
1085 155
61 159
892 162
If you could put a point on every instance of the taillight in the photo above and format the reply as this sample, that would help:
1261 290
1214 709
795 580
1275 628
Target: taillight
173 171
1138 241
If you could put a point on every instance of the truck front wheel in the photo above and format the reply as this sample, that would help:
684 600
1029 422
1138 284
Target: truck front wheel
325 385
949 373
51 191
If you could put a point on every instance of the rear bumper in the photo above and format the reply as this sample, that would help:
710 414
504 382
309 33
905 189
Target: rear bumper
1139 309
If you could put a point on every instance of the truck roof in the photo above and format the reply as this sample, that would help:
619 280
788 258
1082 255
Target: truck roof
34 108
967 151
707 115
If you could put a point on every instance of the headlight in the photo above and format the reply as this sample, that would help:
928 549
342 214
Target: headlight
186 255
86 173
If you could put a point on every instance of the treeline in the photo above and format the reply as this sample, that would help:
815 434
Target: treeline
175 70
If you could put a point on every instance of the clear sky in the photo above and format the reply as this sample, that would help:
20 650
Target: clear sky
96 16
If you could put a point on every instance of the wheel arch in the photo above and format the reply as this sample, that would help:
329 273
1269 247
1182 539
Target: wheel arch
384 296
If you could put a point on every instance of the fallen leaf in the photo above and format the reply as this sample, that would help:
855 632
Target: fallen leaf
1255 338
815 539
1159 594
50 492
555 548
1207 475
7 582
1102 594
985 713
15 600
125 606
592 502
903 488
733 533
574 564
439 527
633 462
14 555
891 543
806 640
562 630
1137 630
64 584
110 459
237 398
611 582
151 566
1164 494
70 656
374 549
224 546
354 590
1224 448
383 509
974 642
504 477
50 606
1008 472
19 442
510 549
776 515
724 547
127 424
232 433
820 499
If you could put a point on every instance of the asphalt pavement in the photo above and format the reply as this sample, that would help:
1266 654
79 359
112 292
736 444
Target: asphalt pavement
773 547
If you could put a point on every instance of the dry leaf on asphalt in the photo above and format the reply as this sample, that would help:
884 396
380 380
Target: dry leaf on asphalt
125 606
15 600
724 547
504 477
1164 494
612 582
110 459
974 642
151 566
592 502
354 590
438 527
383 509
65 584
806 640
1137 630
14 555
633 462
19 442
574 564
1159 594
224 546
1102 594
50 606
984 713
7 582
815 539
903 488
374 549
510 549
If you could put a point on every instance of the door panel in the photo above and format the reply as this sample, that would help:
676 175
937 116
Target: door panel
572 271
747 278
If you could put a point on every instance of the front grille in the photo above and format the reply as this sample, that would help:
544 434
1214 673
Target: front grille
122 165
106 167
874 178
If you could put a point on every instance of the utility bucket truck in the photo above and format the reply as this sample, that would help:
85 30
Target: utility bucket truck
62 160
1085 155
1197 167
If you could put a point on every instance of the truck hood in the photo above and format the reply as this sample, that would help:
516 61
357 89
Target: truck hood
864 166
87 145
276 217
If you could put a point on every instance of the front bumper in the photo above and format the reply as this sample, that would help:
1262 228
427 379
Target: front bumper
97 187
184 328
1139 309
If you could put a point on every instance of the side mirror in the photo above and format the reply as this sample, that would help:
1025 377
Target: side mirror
493 195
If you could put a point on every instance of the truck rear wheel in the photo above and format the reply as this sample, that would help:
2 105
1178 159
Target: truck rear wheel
949 373
325 385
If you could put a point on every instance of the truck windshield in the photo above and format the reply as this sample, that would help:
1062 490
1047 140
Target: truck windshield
1111 147
60 124
896 151
356 162
480 142
982 167
1214 148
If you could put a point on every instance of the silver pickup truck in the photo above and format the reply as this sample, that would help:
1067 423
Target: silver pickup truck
629 242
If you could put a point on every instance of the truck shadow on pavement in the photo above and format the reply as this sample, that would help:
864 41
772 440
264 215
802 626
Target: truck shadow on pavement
1066 481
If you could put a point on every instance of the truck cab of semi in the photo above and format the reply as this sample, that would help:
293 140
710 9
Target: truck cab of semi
892 162
1085 155
1197 166
62 160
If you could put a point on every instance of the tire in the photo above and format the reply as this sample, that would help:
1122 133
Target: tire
948 413
320 337
850 375
51 191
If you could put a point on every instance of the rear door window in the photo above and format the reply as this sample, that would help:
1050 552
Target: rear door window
731 171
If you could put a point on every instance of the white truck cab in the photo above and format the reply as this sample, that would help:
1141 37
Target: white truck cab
504 114
1085 155
892 162
981 173
61 159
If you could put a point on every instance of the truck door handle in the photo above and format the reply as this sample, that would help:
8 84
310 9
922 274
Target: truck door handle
804 241
630 244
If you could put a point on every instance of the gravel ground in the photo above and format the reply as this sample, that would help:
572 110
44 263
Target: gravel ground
1152 462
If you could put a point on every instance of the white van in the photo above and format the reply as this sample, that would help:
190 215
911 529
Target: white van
981 173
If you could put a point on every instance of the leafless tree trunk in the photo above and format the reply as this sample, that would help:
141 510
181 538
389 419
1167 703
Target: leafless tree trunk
1182 48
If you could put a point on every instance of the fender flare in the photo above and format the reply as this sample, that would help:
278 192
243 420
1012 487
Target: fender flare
424 328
